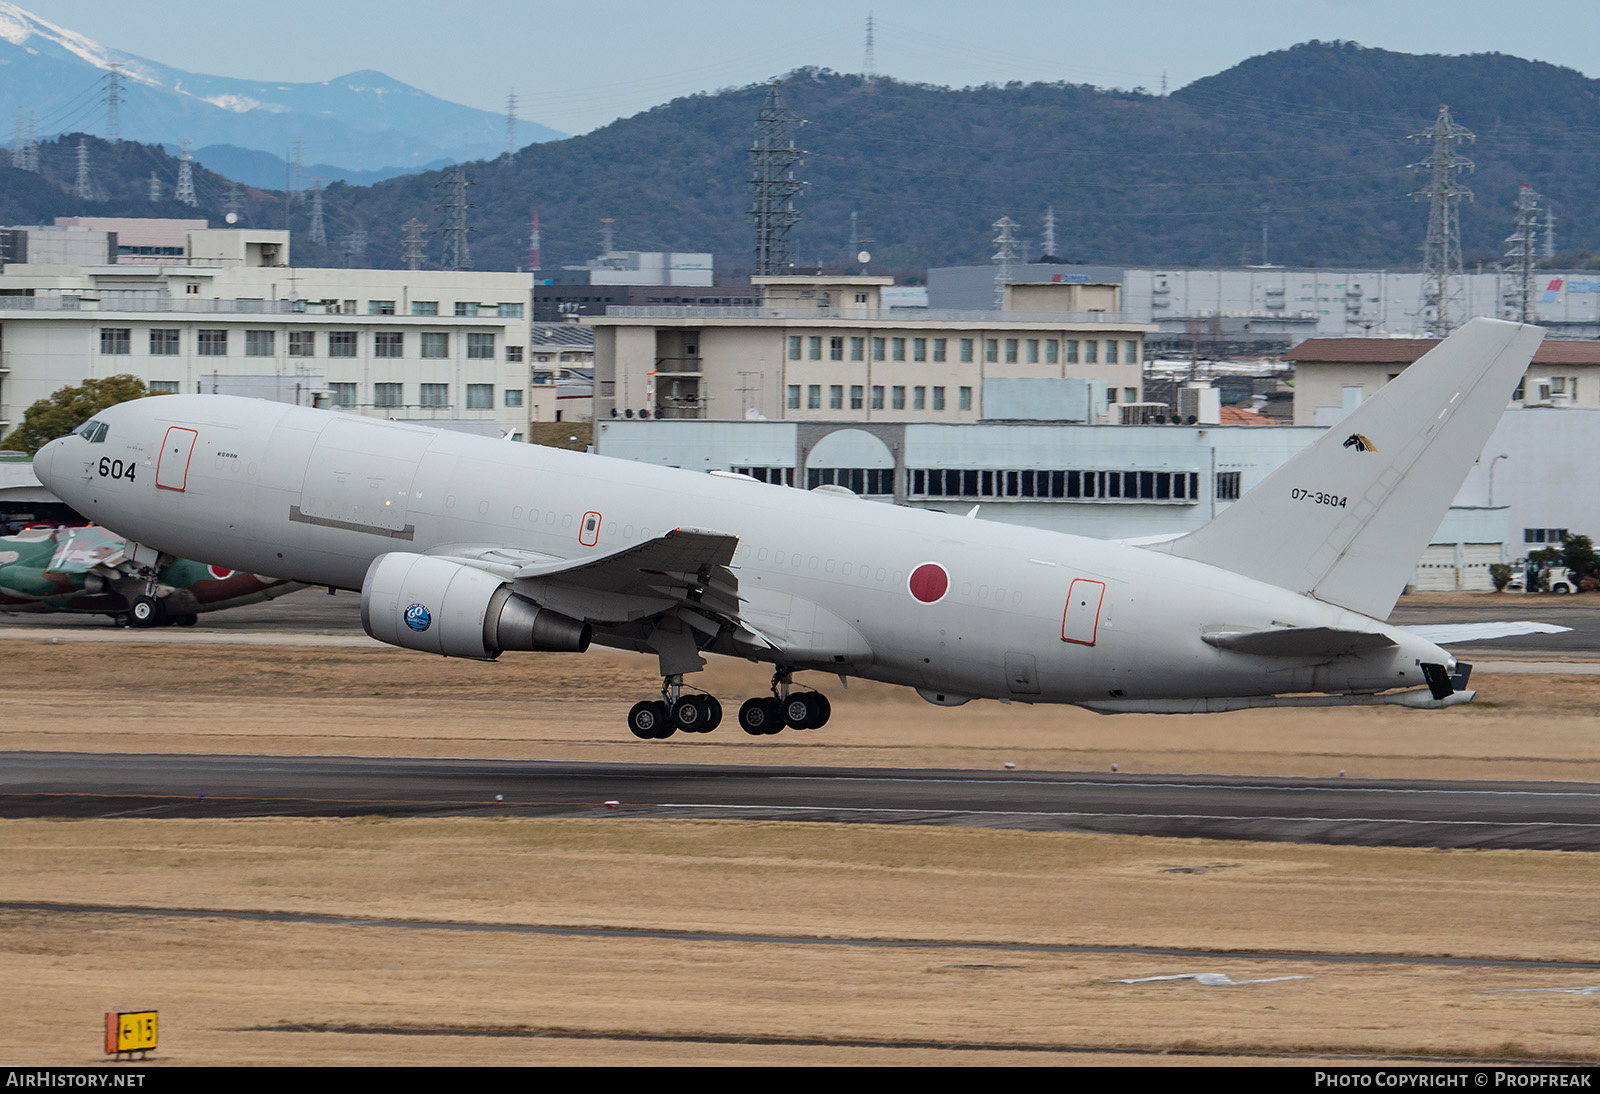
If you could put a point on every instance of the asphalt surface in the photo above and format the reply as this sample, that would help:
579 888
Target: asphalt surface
1553 816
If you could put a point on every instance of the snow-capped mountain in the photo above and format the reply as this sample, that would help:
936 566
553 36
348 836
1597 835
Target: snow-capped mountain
363 121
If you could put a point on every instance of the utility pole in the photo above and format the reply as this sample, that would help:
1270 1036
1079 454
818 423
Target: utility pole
412 254
457 251
113 103
773 158
1521 246
1441 253
185 190
319 230
1005 258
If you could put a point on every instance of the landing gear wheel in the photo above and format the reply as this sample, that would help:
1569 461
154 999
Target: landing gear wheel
759 717
648 720
807 710
146 611
690 714
187 620
822 710
713 713
121 620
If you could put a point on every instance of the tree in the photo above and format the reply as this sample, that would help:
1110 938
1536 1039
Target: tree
1578 555
69 408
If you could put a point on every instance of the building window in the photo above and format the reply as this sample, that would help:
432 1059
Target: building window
1091 349
259 343
341 343
424 307
1227 486
938 398
1033 351
469 310
1011 351
1051 351
919 398
509 311
513 396
302 343
919 349
435 344
991 350
898 397
213 343
1072 351
342 395
1130 353
814 397
514 354
794 396
163 342
1111 394
938 349
480 396
388 343
1544 535
794 347
386 395
877 396
435 396
816 347
899 349
858 348
965 396
480 347
878 346
116 340
191 289
163 387
380 307
1130 394
836 397
966 350
836 349
856 393
1111 351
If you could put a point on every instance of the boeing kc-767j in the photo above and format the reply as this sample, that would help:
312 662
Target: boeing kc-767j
470 547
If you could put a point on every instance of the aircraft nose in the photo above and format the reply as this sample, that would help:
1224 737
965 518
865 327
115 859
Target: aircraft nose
44 460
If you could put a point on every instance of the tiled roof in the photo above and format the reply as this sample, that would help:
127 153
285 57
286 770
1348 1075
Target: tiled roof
1232 415
1403 351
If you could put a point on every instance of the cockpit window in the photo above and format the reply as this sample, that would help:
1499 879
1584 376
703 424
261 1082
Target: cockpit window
92 431
99 434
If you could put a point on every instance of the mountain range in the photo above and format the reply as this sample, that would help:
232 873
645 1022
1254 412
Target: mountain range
359 125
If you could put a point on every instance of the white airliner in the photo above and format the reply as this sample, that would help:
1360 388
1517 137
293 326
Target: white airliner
469 547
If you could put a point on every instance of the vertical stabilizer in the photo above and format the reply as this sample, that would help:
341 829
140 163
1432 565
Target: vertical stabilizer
1346 520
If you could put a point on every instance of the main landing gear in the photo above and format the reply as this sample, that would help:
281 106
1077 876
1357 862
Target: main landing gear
658 719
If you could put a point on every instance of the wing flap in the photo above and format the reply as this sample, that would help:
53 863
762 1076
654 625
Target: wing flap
1295 641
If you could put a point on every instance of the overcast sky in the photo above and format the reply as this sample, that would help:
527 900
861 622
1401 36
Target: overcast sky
577 66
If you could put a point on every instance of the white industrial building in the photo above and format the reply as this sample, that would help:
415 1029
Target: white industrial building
231 314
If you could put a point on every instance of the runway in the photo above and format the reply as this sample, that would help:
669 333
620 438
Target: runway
1545 816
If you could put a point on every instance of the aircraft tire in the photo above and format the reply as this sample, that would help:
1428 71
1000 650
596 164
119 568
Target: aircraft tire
823 710
121 620
713 713
146 611
648 721
759 717
187 620
689 714
797 710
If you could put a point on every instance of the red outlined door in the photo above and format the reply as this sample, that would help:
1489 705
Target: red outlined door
172 466
1080 622
589 530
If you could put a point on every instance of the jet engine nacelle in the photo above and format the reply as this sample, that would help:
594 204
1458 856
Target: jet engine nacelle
438 606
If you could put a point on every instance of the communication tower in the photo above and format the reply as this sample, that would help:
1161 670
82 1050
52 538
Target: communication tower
1441 253
869 62
1521 250
1006 258
412 253
1050 233
185 190
155 187
535 257
511 126
355 247
457 251
232 204
773 158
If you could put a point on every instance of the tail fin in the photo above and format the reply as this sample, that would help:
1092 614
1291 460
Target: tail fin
1346 520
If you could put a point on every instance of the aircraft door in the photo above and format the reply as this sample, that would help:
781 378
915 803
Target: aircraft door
589 531
1080 622
172 466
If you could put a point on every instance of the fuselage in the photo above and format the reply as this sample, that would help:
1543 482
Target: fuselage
1023 614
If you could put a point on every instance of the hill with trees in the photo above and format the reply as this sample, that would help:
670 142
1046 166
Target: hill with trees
1311 141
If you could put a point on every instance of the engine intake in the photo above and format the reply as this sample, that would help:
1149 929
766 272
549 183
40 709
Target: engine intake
437 606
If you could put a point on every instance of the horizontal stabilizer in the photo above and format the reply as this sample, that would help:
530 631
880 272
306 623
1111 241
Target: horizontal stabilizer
1448 633
1295 641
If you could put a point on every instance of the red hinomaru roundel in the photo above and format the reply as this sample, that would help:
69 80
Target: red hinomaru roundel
929 583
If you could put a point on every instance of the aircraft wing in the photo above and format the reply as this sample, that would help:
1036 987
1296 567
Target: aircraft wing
1449 633
80 550
684 568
